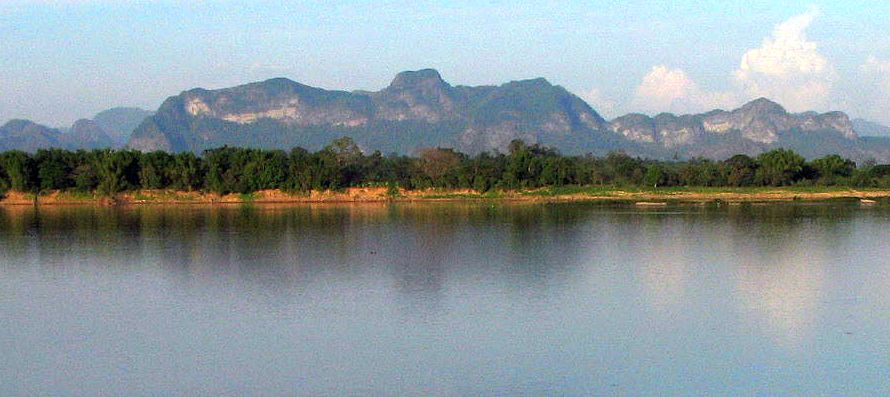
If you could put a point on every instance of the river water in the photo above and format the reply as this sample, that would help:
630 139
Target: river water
445 299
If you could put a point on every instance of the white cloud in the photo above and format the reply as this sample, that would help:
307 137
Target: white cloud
598 102
788 67
877 73
664 89
872 100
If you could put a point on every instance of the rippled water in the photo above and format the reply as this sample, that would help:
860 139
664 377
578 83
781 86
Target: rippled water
445 299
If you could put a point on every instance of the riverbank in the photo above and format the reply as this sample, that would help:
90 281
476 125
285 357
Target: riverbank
381 194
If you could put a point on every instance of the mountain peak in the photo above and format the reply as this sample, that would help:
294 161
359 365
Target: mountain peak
18 124
763 105
85 133
120 122
27 135
84 123
279 81
535 83
415 78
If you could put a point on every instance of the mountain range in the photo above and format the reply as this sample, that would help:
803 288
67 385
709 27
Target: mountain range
108 129
870 128
420 109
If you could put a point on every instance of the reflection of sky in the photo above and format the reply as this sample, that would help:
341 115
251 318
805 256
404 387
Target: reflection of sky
664 266
451 299
784 289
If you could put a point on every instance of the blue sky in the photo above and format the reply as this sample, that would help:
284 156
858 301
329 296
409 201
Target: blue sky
67 59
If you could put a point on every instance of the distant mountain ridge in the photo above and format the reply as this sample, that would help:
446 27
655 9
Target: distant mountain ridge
871 128
28 136
417 109
420 109
87 134
759 121
108 129
120 122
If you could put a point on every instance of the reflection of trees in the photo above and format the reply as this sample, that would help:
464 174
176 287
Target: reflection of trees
67 236
543 241
780 251
415 243
170 237
521 247
16 226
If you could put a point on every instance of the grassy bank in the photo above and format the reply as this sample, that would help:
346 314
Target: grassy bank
571 193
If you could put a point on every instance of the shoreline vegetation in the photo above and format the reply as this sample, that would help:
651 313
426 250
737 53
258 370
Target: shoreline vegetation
639 197
342 172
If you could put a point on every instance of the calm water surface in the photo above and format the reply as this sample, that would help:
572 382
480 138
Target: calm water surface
445 299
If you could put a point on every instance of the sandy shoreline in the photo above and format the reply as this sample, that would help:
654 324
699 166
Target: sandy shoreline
643 198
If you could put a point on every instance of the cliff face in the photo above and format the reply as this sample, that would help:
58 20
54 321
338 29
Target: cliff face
420 96
760 121
419 108
416 102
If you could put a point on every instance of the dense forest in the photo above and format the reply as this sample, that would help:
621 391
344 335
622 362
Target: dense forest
342 164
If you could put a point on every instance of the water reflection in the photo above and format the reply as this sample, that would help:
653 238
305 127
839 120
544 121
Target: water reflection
782 255
780 252
325 299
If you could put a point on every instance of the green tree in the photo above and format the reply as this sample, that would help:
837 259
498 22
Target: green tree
217 161
299 171
20 170
154 170
117 171
654 176
741 170
54 167
831 168
186 173
779 167
518 169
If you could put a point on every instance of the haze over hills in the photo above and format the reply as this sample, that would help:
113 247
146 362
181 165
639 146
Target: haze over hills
108 129
870 128
28 136
120 122
420 109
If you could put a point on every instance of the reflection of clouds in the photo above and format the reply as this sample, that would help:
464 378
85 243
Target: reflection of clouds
664 277
643 258
783 287
660 249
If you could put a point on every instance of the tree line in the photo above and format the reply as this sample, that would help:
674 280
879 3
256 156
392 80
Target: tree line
342 164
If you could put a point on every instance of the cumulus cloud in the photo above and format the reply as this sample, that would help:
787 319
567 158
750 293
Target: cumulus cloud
666 89
873 103
788 67
605 107
877 73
